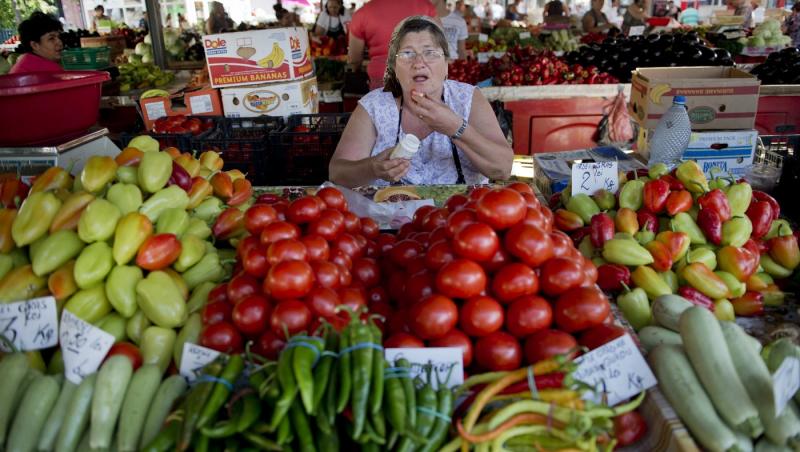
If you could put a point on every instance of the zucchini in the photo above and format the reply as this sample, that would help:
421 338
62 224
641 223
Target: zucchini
683 390
743 442
32 414
13 368
50 431
780 350
144 384
169 391
109 393
77 416
653 336
757 380
765 445
667 310
706 348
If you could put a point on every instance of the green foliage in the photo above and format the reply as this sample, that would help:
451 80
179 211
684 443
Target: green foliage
26 8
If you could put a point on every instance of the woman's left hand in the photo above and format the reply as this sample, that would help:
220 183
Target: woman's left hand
435 113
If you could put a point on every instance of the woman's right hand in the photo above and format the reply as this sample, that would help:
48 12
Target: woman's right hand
391 170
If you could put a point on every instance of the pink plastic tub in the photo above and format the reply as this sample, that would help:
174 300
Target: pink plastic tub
48 108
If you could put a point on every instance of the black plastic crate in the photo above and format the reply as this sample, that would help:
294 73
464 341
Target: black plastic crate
303 149
182 141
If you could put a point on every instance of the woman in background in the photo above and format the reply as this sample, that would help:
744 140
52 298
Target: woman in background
41 44
218 21
635 16
332 20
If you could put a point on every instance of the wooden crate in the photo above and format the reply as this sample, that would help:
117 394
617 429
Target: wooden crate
115 43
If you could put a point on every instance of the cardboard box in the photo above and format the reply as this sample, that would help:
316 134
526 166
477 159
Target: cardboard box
281 99
203 102
552 170
718 98
258 56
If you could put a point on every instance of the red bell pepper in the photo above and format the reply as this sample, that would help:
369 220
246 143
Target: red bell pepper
674 183
740 262
717 201
749 305
784 250
679 201
648 221
676 242
761 215
696 297
567 221
578 235
601 229
662 257
613 277
711 225
763 197
180 177
655 195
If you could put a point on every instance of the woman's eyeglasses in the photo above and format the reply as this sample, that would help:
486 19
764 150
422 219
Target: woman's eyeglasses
428 56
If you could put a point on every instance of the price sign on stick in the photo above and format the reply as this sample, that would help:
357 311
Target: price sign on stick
445 361
29 325
786 382
83 346
588 178
617 370
194 358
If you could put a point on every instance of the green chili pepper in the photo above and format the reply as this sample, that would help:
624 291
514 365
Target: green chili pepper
196 401
362 376
306 355
426 407
322 371
439 433
166 438
328 442
302 427
376 395
288 387
221 390
285 435
262 443
222 429
395 396
345 384
201 444
411 395
378 423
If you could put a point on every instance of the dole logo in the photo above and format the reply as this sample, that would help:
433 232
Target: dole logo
214 43
294 43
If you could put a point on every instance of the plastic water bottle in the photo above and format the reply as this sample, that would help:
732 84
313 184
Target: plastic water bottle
672 134
406 148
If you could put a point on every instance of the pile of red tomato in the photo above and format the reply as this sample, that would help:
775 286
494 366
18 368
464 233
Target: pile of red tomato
300 261
488 273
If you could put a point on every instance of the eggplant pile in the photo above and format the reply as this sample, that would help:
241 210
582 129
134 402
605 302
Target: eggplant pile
620 56
781 68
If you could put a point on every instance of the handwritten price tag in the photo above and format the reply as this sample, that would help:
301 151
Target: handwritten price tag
617 369
588 178
636 30
194 358
483 57
786 382
524 35
445 360
84 347
29 325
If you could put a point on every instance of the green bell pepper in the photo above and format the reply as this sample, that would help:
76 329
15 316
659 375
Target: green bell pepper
34 217
208 210
605 200
631 195
705 256
127 197
161 300
167 198
671 279
645 236
192 250
6 264
114 325
98 221
736 287
736 231
89 305
136 326
657 170
173 221
208 269
121 289
773 268
739 197
155 168
55 250
626 252
198 228
648 279
156 345
683 222
132 231
583 205
93 264
128 175
636 308
778 228
199 296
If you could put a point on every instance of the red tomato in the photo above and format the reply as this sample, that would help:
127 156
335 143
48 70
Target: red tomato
433 317
404 251
219 293
345 277
289 279
352 223
581 308
562 244
257 217
323 302
294 315
326 274
397 287
438 234
534 217
403 340
127 350
476 241
549 217
279 230
329 224
222 337
269 345
251 315
438 254
498 351
215 312
254 261
589 273
477 192
405 231
352 297
377 294
417 265
513 281
456 202
419 215
456 338
333 198
481 316
316 247
366 271
385 242
521 187
398 322
530 200
434 219
246 244
528 314
461 278
601 334
341 258
629 428
530 244
501 208
286 250
558 275
348 244
459 219
500 258
158 251
303 210
418 286
242 286
545 344
369 228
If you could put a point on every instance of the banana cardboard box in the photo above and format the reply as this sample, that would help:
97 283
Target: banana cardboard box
718 98
275 99
157 103
258 56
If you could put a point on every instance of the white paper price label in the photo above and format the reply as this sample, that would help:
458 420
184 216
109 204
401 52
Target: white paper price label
29 325
636 30
201 104
83 346
483 57
786 382
194 358
524 35
446 361
483 37
617 370
155 110
588 178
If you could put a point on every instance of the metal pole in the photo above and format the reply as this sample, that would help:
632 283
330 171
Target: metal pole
156 32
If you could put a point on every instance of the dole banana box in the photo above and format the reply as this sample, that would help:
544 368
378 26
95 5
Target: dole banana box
717 98
275 99
258 56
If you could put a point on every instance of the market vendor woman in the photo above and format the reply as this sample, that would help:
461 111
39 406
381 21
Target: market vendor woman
461 140
41 45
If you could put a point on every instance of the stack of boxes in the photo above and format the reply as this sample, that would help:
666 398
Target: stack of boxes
722 104
263 72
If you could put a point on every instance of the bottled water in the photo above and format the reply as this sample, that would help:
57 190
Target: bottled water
672 134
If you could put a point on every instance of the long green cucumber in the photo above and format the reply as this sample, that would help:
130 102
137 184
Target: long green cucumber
682 388
12 371
50 431
653 336
667 310
169 391
76 418
32 414
706 348
109 393
141 390
765 445
743 442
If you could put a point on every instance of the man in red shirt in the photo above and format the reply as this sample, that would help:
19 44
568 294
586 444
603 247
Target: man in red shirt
372 27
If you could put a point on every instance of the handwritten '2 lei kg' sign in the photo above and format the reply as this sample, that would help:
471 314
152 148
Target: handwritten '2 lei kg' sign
83 346
29 325
588 178
445 361
617 369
